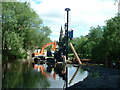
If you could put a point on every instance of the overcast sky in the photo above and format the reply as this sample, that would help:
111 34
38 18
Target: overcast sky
83 14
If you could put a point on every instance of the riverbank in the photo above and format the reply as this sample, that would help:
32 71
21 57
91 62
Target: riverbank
99 78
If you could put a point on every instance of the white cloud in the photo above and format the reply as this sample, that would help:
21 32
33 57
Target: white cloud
83 14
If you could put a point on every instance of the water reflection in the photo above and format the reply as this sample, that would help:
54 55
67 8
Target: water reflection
55 73
76 74
22 76
42 75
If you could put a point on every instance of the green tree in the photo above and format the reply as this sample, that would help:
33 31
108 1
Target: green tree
95 34
102 42
112 39
94 37
22 29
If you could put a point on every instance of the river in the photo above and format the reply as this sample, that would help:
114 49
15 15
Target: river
27 74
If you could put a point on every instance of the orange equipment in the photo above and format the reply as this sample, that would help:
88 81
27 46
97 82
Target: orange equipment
41 67
54 75
41 53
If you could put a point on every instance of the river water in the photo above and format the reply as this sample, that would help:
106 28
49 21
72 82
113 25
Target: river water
20 74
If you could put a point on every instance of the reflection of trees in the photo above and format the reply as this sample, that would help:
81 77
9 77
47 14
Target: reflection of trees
12 76
32 78
20 76
81 71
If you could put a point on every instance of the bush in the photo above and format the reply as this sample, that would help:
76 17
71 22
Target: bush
22 55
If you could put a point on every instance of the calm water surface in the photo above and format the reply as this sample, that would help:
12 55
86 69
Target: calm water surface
48 75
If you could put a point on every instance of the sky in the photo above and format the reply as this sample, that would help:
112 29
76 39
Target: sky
83 14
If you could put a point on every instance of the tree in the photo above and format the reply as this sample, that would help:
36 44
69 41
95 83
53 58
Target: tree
22 29
95 34
94 37
102 43
112 39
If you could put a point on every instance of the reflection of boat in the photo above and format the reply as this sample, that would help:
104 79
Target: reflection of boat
40 67
56 74
59 69
51 62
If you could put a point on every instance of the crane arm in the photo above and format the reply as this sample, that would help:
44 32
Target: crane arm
48 44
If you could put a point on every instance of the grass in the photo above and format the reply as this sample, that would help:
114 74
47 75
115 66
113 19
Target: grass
95 74
71 55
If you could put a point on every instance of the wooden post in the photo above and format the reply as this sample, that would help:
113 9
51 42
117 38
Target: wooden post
76 55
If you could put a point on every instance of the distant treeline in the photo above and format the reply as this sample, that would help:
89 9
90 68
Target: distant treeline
22 30
102 42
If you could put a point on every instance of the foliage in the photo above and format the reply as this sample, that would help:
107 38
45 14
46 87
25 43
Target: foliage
102 42
95 74
112 37
22 29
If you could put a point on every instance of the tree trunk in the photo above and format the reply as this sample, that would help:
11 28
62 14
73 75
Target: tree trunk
106 63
